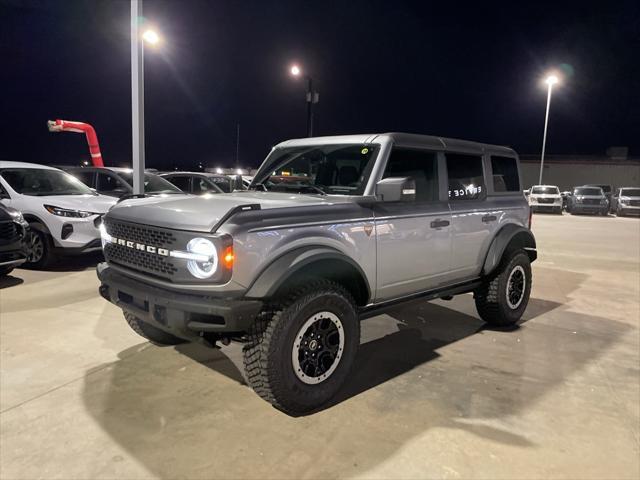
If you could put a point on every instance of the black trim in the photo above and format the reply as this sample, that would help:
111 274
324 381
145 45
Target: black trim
378 308
233 211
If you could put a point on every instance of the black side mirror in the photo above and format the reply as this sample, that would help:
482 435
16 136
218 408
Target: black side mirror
396 189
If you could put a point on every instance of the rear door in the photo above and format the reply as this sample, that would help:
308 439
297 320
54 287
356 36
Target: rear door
413 238
472 218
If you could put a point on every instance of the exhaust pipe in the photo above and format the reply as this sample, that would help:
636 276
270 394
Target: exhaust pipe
80 127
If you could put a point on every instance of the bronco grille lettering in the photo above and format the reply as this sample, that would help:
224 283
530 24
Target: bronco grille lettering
163 252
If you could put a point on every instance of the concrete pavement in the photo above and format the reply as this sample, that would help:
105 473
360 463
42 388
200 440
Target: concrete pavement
433 395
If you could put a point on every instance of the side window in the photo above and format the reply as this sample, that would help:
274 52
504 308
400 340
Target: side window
505 174
181 181
466 181
202 185
222 183
85 176
420 165
109 184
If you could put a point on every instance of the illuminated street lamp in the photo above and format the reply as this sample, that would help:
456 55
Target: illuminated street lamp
312 97
151 37
551 80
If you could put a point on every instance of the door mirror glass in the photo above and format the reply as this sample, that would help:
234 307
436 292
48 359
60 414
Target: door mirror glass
396 189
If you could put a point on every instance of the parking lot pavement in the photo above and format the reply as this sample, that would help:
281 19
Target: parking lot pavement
433 394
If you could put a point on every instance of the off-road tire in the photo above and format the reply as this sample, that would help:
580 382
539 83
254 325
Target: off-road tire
151 333
491 297
47 257
268 360
4 271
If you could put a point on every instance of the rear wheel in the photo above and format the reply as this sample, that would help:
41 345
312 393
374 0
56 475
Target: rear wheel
39 248
151 333
503 298
299 356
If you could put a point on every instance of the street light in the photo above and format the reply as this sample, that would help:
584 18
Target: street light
550 80
312 97
137 92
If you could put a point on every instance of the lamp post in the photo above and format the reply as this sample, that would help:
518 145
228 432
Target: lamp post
551 80
312 97
137 93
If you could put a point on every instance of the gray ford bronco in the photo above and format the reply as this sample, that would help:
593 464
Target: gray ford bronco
331 231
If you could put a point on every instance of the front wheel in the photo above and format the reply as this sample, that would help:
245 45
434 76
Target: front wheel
39 249
503 298
299 356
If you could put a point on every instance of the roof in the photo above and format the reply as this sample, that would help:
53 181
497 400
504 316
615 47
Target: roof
4 164
206 174
403 139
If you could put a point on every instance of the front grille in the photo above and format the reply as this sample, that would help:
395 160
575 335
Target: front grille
9 230
634 203
139 259
591 201
545 200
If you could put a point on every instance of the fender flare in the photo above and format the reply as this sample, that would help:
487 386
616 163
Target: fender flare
293 262
36 224
509 234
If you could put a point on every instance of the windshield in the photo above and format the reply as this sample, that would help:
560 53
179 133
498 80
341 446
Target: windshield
323 169
152 183
588 191
38 182
545 190
630 192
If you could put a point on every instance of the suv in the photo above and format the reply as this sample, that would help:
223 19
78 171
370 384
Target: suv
289 268
63 213
588 199
13 230
117 181
606 189
545 198
626 201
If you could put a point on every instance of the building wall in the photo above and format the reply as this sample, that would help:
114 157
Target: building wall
570 174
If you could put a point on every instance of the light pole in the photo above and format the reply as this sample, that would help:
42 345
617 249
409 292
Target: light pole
137 93
551 80
312 97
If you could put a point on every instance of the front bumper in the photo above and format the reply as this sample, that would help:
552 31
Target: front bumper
185 315
593 209
546 207
629 209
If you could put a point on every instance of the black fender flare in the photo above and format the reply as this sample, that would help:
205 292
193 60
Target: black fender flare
269 281
514 235
36 224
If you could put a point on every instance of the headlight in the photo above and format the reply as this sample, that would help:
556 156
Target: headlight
202 258
533 199
65 212
104 235
19 218
622 201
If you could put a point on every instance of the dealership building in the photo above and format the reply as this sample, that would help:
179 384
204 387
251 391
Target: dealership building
615 168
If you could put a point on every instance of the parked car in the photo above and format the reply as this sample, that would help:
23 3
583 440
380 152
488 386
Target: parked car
626 201
118 182
13 232
381 219
199 183
588 200
608 191
545 198
63 213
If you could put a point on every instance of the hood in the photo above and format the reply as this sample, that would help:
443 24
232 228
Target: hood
201 213
89 203
546 195
599 197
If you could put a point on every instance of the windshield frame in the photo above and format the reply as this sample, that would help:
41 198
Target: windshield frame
272 162
555 192
82 188
577 192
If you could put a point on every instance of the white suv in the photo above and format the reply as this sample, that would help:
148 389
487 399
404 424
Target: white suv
545 198
63 213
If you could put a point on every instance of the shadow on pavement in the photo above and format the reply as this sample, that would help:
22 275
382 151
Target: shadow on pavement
10 281
425 366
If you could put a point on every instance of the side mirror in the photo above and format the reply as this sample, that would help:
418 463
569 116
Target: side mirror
396 189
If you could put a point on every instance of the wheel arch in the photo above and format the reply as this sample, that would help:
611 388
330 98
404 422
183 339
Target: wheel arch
288 270
510 237
40 225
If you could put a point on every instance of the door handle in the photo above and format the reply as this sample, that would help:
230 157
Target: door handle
439 223
489 218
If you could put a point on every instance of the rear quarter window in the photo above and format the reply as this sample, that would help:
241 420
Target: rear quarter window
505 174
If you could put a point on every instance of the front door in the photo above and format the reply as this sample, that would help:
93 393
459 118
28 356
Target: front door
413 238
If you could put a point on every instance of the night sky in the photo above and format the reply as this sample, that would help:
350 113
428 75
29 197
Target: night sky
441 68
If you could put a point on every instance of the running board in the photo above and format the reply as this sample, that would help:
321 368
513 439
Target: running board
378 308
